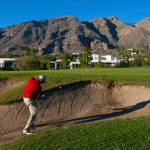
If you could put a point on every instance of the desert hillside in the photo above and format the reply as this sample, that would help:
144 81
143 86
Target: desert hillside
69 34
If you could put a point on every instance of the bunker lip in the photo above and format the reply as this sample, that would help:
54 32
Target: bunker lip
77 103
7 83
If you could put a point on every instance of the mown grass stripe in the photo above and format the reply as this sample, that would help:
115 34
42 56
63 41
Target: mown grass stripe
117 134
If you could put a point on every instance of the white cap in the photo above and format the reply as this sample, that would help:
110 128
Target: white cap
43 78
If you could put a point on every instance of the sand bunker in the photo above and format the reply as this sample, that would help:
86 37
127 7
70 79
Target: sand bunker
80 102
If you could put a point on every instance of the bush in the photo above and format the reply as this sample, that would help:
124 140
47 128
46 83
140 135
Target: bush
97 65
29 63
124 64
44 61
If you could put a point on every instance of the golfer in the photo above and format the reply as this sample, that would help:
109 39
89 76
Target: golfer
31 92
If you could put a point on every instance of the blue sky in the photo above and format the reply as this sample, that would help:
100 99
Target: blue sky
17 11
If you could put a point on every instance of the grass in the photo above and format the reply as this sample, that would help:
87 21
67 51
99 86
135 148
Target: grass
137 75
128 134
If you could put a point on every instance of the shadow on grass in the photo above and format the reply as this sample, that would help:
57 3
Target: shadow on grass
118 112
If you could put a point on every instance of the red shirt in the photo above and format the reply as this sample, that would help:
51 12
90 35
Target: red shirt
32 89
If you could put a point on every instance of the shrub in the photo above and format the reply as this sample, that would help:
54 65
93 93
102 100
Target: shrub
29 63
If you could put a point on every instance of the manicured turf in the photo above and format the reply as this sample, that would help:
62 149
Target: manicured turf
138 75
129 134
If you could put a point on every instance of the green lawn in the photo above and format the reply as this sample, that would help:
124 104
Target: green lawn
137 75
129 134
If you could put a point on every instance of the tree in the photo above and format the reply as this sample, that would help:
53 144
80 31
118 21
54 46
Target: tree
44 61
65 60
29 51
29 59
8 55
85 58
146 58
29 63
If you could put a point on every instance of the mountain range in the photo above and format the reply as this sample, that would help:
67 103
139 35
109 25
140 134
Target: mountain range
68 34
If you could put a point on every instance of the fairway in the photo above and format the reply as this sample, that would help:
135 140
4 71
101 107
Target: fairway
134 75
56 78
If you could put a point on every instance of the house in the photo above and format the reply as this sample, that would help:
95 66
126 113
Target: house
106 59
75 61
95 58
56 64
74 64
8 63
110 60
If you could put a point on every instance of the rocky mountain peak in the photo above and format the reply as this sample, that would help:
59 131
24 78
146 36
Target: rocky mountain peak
68 33
111 18
145 20
144 23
